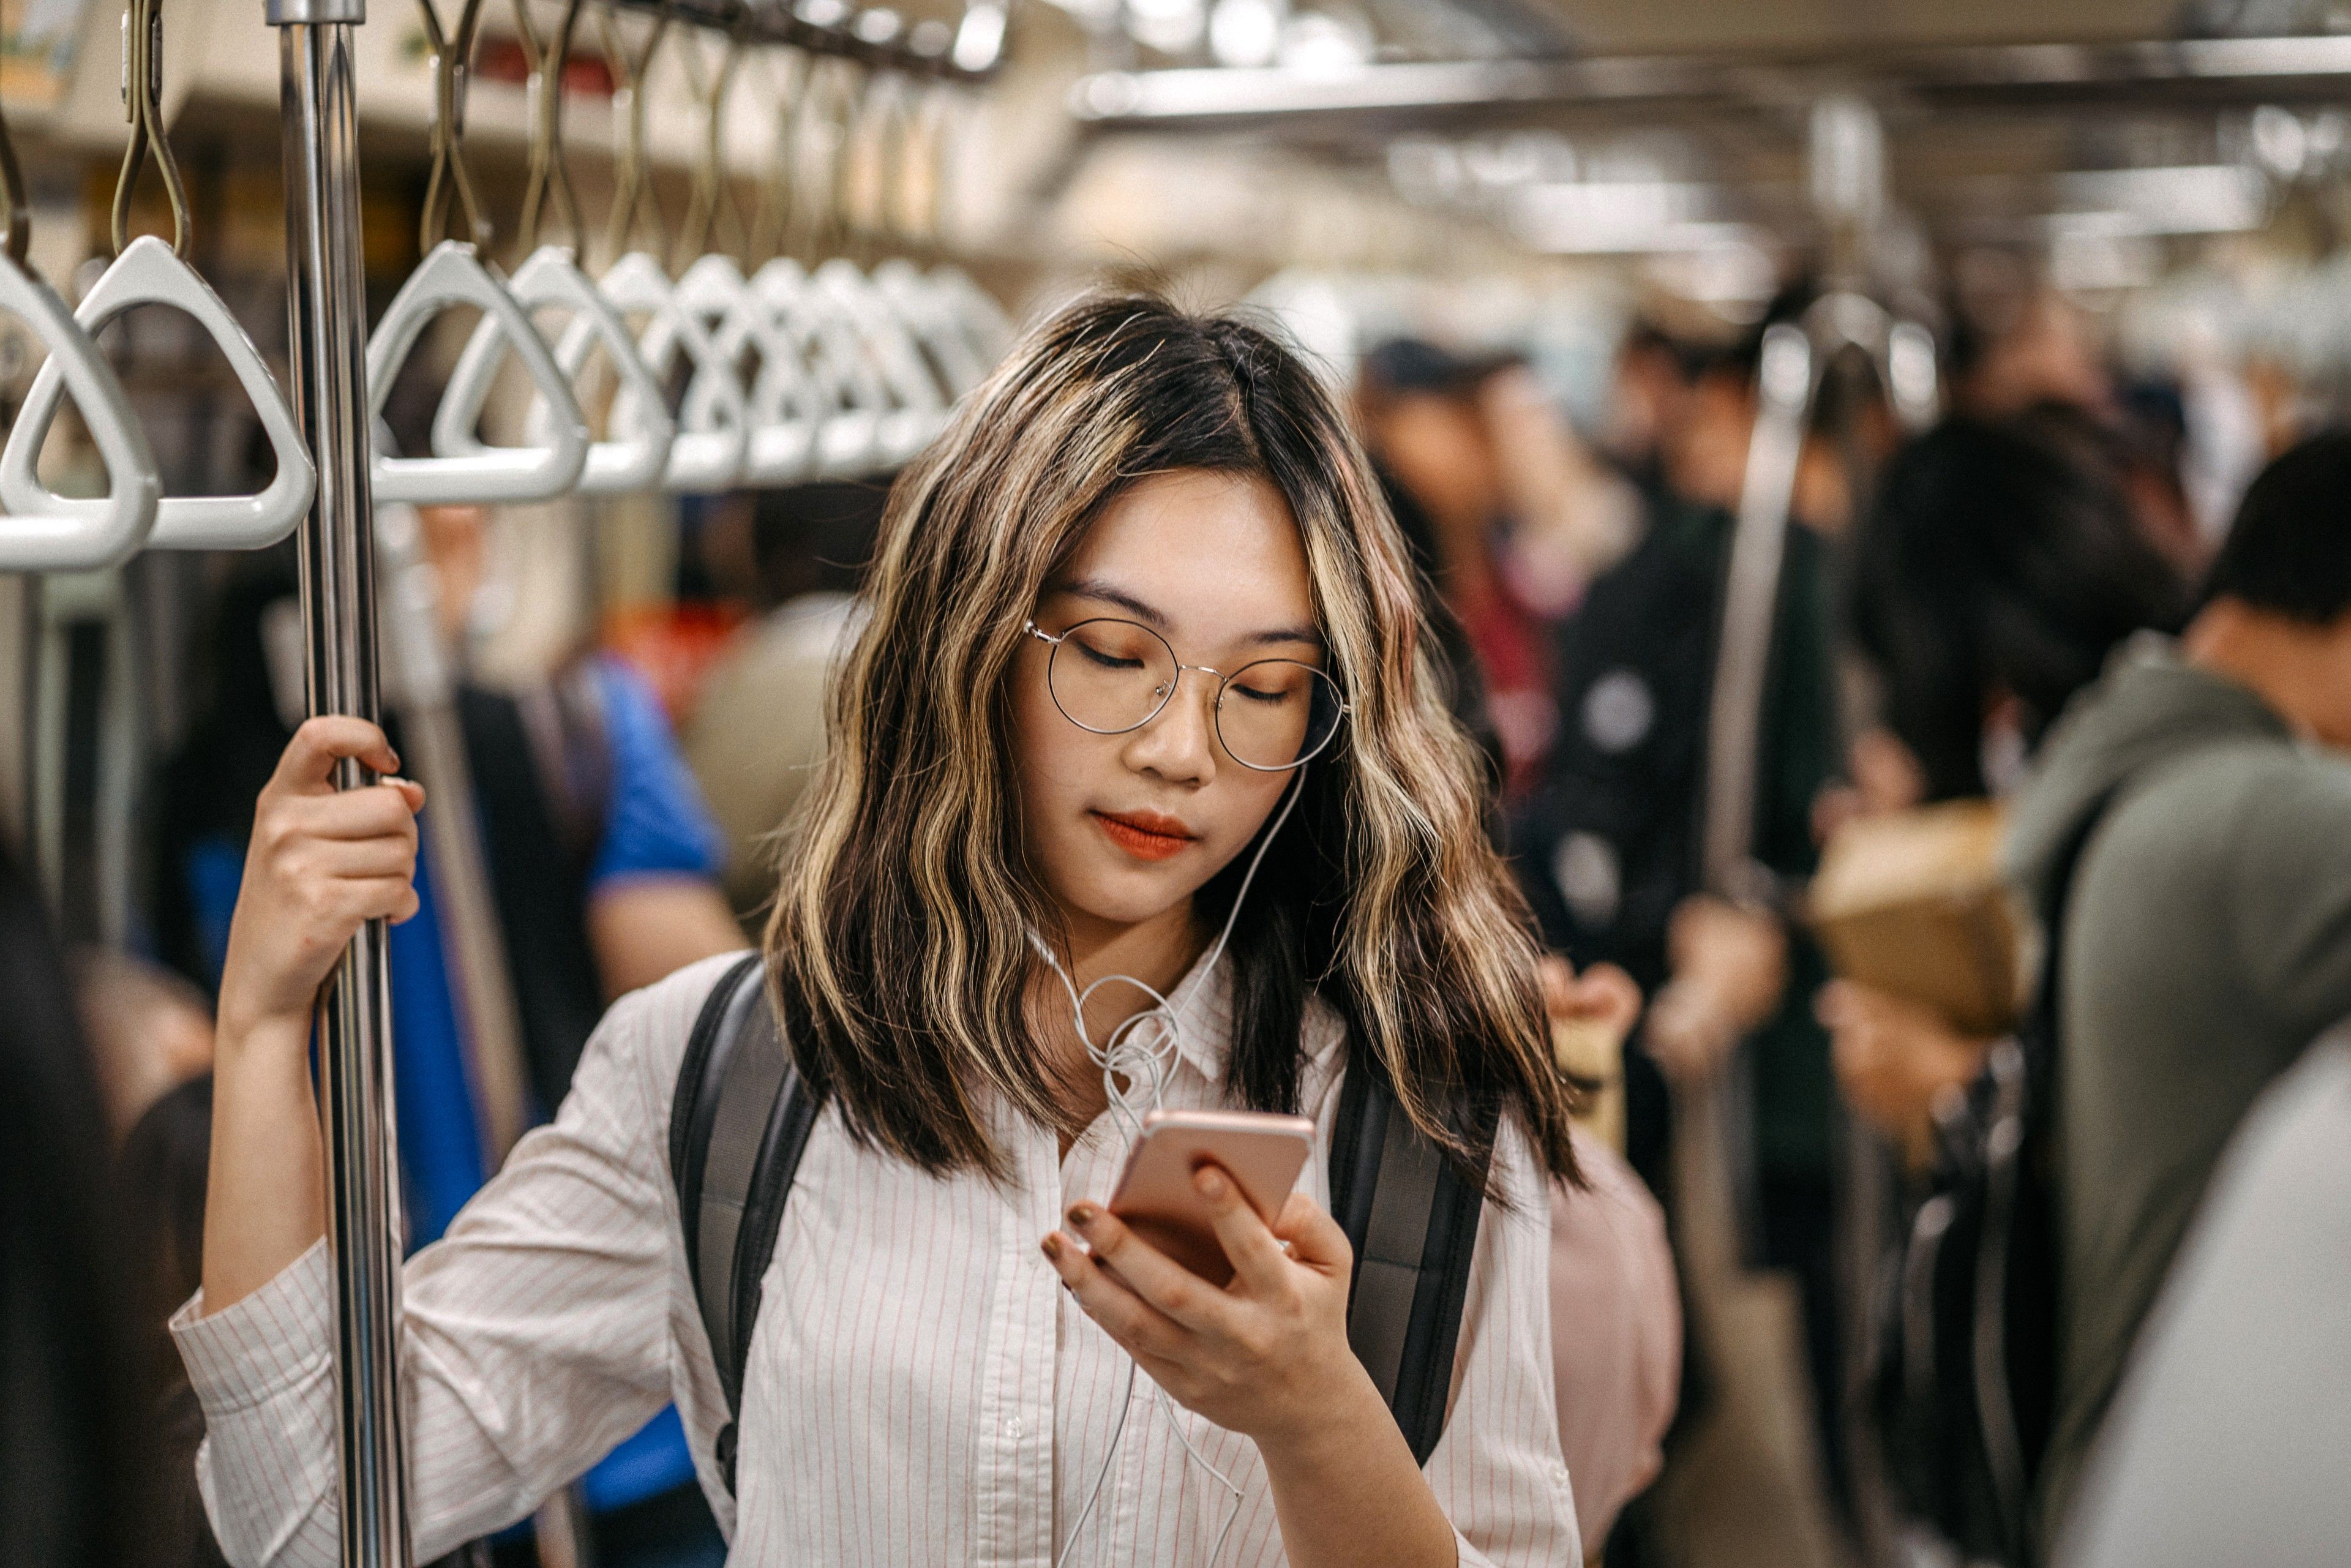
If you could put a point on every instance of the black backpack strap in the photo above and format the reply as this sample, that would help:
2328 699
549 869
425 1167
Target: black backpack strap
1412 1219
740 1121
739 1125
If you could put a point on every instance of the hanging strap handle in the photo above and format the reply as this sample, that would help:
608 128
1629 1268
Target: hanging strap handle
550 278
462 471
714 432
632 456
783 408
149 273
452 273
769 224
40 536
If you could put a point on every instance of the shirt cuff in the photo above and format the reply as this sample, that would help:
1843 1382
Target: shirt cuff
277 1338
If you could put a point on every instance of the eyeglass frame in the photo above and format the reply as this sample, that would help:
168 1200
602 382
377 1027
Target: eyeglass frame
1214 709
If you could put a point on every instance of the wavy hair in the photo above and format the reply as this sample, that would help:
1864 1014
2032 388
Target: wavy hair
897 948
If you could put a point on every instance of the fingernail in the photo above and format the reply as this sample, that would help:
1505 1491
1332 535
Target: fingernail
1083 1213
1210 1182
1052 1244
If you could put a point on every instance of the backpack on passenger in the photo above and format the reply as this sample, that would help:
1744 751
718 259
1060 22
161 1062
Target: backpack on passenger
740 1121
1965 1374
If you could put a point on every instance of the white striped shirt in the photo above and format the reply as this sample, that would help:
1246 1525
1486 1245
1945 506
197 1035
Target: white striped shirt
921 1390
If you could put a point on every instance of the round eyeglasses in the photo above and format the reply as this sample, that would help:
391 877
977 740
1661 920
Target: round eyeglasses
1110 676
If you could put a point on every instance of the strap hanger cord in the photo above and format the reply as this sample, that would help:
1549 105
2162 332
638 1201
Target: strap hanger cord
143 107
549 179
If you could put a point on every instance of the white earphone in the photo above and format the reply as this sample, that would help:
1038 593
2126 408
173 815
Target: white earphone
1144 1063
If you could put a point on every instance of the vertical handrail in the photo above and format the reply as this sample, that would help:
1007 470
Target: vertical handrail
327 344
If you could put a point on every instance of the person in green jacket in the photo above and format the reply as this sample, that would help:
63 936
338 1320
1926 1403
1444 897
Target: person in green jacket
2206 938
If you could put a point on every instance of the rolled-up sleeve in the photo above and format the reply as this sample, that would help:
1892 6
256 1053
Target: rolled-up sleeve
1497 1472
538 1333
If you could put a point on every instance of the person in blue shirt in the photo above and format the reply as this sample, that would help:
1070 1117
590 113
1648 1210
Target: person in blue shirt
603 862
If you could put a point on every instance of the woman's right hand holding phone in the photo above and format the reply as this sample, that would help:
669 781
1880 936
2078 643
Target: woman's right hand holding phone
321 863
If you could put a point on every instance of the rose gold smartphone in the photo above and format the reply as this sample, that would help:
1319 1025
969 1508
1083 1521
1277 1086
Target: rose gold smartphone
1262 1153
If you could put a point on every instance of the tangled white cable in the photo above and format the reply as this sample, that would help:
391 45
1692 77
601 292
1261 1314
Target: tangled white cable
1143 1064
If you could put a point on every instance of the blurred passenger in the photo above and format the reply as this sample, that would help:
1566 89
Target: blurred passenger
2015 342
2151 447
1609 853
2199 796
164 1167
1615 1302
1648 392
150 1029
73 1453
1571 514
2227 1442
1999 568
1426 434
757 729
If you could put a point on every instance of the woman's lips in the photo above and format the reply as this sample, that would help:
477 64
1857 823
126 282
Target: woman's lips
1145 834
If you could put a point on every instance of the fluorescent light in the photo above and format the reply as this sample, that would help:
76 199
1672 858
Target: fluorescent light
2202 198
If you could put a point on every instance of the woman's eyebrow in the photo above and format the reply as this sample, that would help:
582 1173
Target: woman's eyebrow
1108 593
1095 588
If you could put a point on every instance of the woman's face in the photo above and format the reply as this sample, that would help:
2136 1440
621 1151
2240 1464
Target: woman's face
1126 827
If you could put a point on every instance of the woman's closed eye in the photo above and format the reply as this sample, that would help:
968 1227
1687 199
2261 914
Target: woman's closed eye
1105 658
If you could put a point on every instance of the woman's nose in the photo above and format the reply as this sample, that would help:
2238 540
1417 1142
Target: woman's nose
1179 743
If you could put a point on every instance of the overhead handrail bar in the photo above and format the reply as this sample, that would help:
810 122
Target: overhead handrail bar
453 273
1940 78
39 537
636 447
147 271
973 51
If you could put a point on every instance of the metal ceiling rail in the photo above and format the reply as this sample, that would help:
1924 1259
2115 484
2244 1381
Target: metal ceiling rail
2015 77
969 50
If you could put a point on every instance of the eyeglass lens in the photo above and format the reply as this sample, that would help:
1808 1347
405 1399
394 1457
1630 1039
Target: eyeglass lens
1113 676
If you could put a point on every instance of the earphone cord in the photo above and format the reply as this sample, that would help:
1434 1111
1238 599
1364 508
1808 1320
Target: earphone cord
1144 1065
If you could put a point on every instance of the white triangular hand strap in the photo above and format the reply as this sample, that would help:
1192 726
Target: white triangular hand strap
932 315
783 407
637 448
452 272
147 273
76 536
920 407
849 443
713 430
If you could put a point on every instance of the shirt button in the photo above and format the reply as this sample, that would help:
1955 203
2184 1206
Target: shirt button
1013 1428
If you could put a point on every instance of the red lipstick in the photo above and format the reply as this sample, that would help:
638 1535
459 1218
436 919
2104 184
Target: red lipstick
1147 835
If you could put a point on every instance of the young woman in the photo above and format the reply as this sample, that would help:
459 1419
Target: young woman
1139 593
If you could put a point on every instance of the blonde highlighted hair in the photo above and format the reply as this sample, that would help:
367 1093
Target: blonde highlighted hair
897 949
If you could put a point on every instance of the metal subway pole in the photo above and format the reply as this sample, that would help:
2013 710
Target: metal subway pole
327 302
